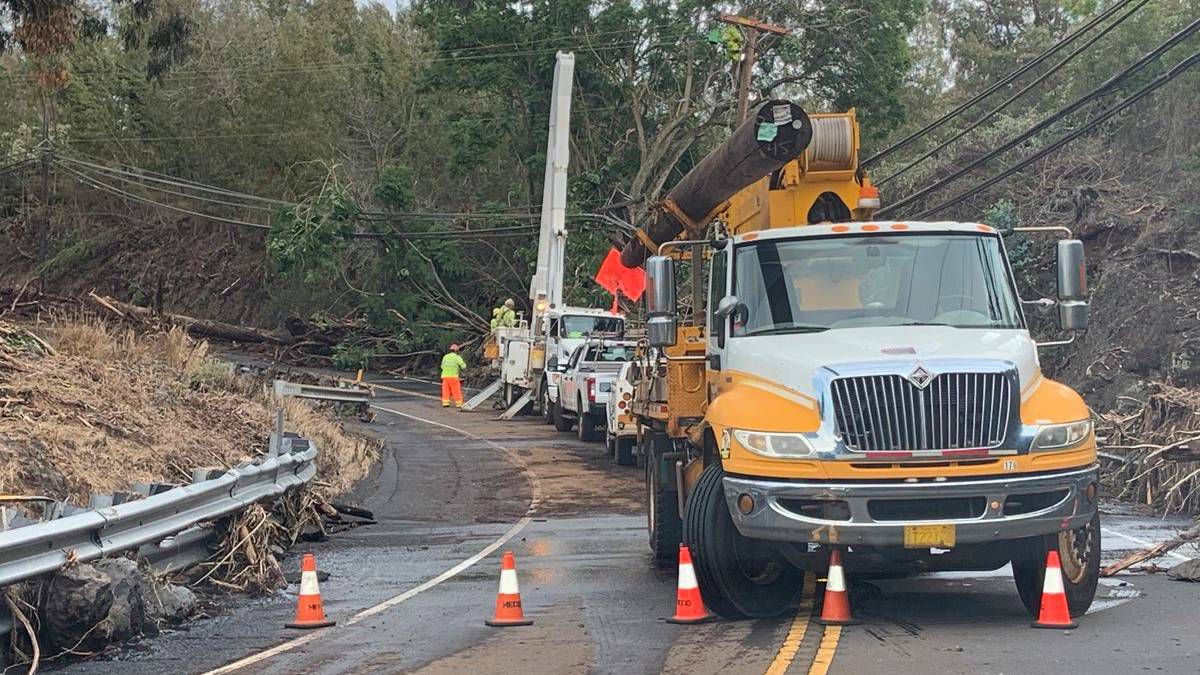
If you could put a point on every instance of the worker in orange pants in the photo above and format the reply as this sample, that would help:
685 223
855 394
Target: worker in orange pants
452 367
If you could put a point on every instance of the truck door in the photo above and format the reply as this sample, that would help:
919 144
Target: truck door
718 287
566 386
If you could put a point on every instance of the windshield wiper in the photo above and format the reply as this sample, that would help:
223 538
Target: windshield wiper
796 328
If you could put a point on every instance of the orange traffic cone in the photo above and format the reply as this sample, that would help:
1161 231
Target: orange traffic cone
1054 612
689 606
310 613
508 600
835 608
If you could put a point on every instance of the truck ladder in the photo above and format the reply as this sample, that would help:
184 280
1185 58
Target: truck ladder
517 406
488 391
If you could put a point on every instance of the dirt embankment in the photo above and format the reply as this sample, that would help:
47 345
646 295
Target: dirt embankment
87 407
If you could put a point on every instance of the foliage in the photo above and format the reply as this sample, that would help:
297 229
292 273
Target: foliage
351 356
308 239
394 189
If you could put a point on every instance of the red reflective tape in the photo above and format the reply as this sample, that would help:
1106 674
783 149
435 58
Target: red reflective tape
966 452
890 454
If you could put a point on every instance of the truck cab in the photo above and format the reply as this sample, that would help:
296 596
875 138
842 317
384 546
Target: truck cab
872 386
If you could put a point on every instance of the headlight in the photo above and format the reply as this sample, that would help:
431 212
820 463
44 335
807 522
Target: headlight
785 446
1058 436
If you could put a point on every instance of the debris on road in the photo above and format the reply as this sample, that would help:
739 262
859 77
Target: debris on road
1153 552
1153 453
1188 570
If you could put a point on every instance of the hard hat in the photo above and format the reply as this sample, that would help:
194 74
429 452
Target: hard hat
509 303
454 347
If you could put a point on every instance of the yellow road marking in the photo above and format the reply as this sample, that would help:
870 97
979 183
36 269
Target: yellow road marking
826 651
791 643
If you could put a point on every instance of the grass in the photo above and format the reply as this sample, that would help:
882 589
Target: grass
105 407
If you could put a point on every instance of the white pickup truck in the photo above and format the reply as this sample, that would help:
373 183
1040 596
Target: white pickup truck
585 384
621 428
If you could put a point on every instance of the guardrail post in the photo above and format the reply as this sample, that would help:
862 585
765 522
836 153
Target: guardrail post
276 437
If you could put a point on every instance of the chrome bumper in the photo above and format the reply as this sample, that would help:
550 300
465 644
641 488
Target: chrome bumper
849 520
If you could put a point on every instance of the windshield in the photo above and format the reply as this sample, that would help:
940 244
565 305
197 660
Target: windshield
809 285
581 326
609 353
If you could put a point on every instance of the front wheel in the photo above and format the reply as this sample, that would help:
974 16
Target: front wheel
739 577
1079 551
547 418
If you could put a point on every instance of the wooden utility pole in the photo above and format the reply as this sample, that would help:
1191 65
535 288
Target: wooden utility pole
44 233
751 28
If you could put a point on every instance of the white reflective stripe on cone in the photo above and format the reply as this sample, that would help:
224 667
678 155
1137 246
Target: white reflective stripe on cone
1053 583
308 583
835 581
687 577
508 582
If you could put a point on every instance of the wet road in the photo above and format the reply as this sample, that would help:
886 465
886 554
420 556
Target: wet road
453 490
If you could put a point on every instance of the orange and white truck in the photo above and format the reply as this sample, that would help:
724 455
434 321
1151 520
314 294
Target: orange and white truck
848 382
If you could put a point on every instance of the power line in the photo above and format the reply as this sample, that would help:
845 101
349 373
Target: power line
536 116
1154 84
1099 91
1024 90
335 66
117 175
100 185
1053 49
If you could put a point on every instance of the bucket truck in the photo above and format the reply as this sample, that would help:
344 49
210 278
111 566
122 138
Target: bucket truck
531 356
849 382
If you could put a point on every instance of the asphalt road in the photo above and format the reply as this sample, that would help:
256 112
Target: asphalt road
454 490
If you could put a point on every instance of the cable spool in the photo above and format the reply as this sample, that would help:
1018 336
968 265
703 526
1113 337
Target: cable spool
832 147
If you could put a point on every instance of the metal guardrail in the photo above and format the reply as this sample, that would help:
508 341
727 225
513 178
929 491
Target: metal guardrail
164 521
353 394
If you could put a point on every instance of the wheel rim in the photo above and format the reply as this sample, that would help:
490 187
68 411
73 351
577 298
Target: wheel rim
1075 550
758 569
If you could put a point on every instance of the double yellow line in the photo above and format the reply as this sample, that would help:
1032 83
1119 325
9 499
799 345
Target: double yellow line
795 637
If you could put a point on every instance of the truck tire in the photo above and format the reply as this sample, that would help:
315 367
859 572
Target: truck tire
1079 551
561 423
545 406
587 424
739 577
662 515
624 451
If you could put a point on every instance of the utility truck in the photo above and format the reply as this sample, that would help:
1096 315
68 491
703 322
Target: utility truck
849 382
530 356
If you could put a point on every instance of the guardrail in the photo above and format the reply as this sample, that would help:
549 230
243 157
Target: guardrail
355 394
162 524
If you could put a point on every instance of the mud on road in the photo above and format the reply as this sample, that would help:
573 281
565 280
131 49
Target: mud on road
454 489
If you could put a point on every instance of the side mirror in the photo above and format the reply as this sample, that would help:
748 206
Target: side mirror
729 305
1072 286
662 323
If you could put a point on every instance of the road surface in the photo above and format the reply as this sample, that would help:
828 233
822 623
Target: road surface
454 490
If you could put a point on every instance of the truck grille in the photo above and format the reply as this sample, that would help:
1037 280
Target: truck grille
955 410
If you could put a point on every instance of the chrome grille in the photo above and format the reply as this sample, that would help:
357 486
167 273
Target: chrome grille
955 410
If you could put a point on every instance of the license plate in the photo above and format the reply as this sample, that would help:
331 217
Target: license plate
929 536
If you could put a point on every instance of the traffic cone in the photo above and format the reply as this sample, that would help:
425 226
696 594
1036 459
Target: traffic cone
508 600
689 606
835 608
310 613
1054 612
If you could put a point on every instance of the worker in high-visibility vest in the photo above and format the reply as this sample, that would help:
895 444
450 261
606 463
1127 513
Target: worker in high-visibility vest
505 315
452 367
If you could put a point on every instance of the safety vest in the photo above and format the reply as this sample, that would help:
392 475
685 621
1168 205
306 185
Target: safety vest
452 365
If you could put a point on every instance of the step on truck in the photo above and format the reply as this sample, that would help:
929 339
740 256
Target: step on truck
845 381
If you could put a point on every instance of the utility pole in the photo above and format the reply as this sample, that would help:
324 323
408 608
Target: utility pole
44 233
751 28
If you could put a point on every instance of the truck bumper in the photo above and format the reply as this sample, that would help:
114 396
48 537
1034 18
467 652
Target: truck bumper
877 513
